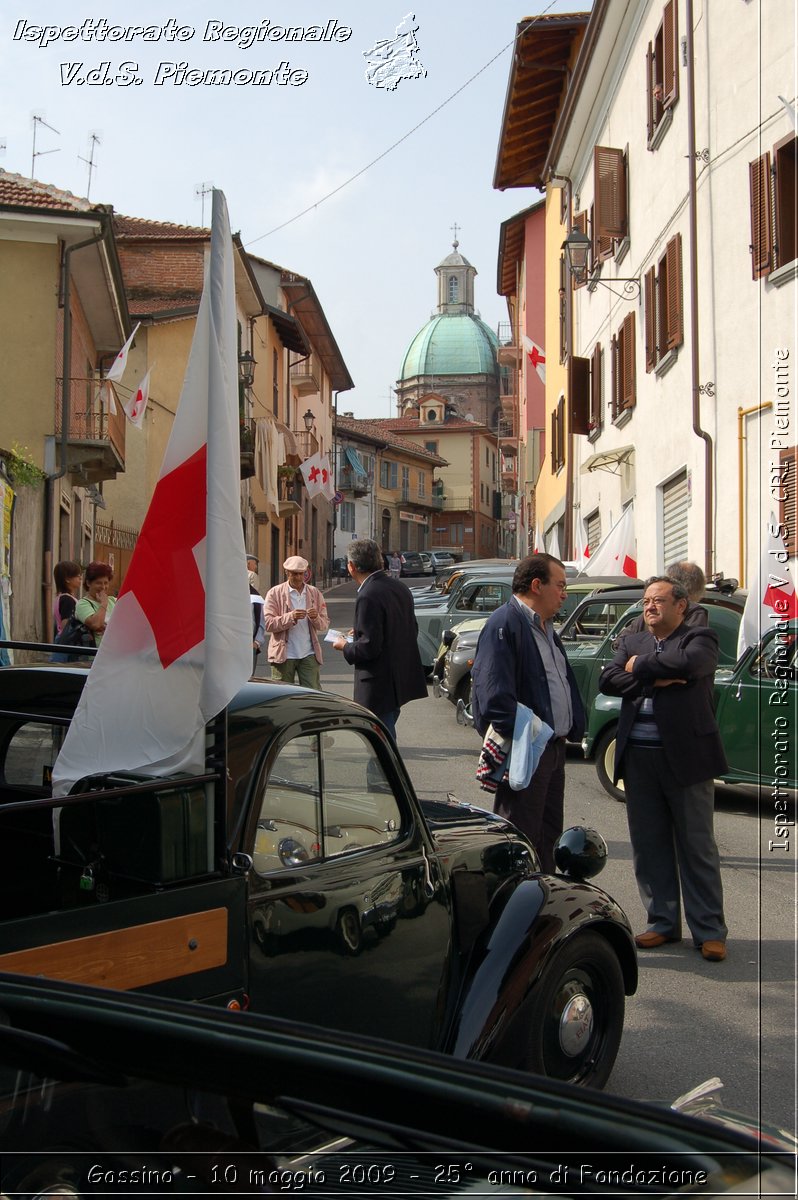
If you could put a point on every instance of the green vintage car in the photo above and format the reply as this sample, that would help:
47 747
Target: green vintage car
756 703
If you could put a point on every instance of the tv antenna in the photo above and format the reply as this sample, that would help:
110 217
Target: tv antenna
37 121
94 142
201 191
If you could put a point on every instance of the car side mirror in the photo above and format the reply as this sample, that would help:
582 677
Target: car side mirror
448 637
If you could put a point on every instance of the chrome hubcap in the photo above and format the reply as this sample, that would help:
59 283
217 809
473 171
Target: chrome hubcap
576 1025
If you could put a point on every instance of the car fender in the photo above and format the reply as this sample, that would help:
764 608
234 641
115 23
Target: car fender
541 916
604 711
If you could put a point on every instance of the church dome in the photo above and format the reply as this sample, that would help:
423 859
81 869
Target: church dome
451 344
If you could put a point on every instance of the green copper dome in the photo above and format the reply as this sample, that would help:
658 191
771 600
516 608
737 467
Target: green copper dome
451 344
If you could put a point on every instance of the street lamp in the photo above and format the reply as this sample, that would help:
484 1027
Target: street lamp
308 418
246 369
576 248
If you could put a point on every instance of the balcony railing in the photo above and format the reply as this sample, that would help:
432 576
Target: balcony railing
509 350
509 406
96 435
304 378
350 480
307 443
289 490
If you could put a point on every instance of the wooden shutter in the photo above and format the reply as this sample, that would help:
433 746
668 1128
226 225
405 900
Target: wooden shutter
670 55
628 395
651 111
672 300
788 500
785 196
650 317
561 432
553 441
609 192
580 224
761 216
615 382
596 421
579 393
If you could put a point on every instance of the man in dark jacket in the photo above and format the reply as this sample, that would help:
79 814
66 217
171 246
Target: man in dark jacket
384 649
669 752
520 660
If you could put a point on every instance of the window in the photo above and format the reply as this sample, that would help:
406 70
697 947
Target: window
662 75
432 447
609 193
579 393
563 310
580 225
422 485
453 289
302 821
388 474
773 193
30 752
487 456
593 530
558 436
664 306
596 419
455 535
624 391
405 483
275 386
675 506
347 511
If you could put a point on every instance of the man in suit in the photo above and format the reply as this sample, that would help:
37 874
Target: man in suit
520 660
669 752
384 650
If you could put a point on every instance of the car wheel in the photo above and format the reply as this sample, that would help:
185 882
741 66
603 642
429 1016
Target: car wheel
576 1014
605 764
350 935
464 694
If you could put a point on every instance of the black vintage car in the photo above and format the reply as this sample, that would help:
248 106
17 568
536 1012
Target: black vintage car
302 878
110 1094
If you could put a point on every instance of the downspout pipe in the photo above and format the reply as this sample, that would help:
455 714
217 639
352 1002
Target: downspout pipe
709 546
66 406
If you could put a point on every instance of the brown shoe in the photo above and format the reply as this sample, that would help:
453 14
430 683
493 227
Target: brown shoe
650 939
714 951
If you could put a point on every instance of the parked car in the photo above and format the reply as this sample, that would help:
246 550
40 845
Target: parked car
452 673
339 568
426 558
412 562
584 616
456 579
303 847
725 613
107 1093
478 594
441 559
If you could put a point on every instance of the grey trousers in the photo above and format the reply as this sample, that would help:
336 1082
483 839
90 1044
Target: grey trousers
671 830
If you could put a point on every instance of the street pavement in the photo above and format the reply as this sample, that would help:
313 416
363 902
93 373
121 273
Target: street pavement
690 1020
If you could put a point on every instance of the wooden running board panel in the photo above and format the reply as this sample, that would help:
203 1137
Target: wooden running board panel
133 957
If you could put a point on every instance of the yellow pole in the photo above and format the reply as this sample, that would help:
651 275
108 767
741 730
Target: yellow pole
742 413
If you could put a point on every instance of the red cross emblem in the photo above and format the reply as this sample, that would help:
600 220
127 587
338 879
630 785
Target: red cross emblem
163 574
536 358
313 474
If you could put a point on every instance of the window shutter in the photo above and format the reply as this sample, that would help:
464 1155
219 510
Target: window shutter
561 432
609 192
670 55
580 224
629 391
650 315
651 112
788 502
673 298
615 401
553 441
596 421
784 192
579 393
761 217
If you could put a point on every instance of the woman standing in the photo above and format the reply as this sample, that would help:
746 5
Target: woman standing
95 609
67 585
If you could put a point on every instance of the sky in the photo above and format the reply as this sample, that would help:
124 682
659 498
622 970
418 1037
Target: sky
276 150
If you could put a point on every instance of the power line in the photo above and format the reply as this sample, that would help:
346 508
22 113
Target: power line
407 135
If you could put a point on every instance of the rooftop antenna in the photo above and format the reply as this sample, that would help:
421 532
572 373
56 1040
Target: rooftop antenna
202 190
37 121
94 141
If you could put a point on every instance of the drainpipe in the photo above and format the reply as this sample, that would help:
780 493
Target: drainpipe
66 389
742 413
709 547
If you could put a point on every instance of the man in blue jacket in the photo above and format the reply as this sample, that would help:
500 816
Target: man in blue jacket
520 660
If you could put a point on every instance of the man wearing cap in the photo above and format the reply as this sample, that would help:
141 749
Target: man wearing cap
294 614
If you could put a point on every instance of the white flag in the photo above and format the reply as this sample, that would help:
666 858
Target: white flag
136 405
327 481
582 549
772 597
616 554
179 646
535 354
311 470
554 542
117 367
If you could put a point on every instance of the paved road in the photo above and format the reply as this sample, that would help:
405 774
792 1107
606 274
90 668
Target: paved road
690 1019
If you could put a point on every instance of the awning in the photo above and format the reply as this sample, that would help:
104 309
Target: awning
609 460
354 462
289 330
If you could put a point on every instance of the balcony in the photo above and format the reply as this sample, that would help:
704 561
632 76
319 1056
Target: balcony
246 437
509 352
509 406
96 436
289 490
307 443
509 477
304 378
350 480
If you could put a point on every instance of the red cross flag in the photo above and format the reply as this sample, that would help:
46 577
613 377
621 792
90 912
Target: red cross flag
136 405
117 367
616 554
582 548
179 644
772 596
327 481
535 354
311 470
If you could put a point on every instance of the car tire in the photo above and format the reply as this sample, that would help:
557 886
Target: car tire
350 934
604 752
575 1014
464 694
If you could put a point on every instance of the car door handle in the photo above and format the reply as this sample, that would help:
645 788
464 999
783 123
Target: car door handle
738 695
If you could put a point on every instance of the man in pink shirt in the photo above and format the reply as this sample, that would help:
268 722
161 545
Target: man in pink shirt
294 614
